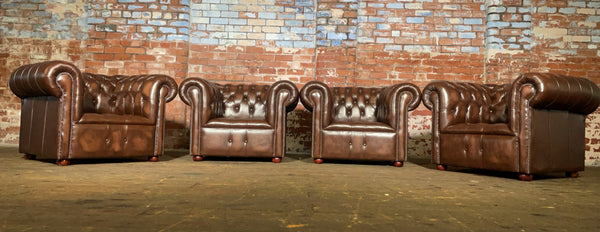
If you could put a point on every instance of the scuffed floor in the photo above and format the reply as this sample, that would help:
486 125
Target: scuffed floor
177 194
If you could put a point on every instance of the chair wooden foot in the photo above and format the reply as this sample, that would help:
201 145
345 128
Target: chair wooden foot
525 177
572 174
63 162
441 167
398 163
29 157
197 158
318 161
276 159
153 158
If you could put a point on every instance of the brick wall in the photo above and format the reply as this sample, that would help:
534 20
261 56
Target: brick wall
340 42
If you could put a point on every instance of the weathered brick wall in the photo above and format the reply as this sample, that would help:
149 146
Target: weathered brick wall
340 42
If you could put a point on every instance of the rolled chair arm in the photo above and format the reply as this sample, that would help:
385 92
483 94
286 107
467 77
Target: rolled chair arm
435 98
205 95
431 92
157 82
42 79
59 79
390 98
317 95
557 92
283 86
282 97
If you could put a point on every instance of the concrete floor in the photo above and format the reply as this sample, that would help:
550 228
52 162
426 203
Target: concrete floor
177 194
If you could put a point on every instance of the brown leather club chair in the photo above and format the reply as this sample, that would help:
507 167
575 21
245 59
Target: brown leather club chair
67 114
534 125
238 120
360 123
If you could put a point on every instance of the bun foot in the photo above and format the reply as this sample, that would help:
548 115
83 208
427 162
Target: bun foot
29 157
153 158
398 164
441 167
318 161
63 162
525 177
572 174
197 158
276 159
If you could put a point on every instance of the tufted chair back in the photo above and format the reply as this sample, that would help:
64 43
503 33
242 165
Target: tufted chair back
241 101
125 96
354 104
472 103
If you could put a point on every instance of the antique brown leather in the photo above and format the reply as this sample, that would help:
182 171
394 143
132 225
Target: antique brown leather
360 123
534 125
67 114
238 120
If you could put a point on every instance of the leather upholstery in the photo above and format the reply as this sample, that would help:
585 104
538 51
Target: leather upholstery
67 114
239 120
360 123
534 125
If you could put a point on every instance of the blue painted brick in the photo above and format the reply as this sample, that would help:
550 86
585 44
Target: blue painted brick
157 22
293 23
147 29
521 24
395 5
134 7
177 37
376 19
569 10
384 26
96 20
209 41
323 14
285 44
337 36
322 42
286 16
473 21
126 1
493 39
304 2
304 44
497 24
393 48
496 9
469 49
219 21
267 15
525 40
595 19
415 20
462 28
439 34
179 23
425 13
171 30
136 21
352 36
467 35
300 30
545 9
238 21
